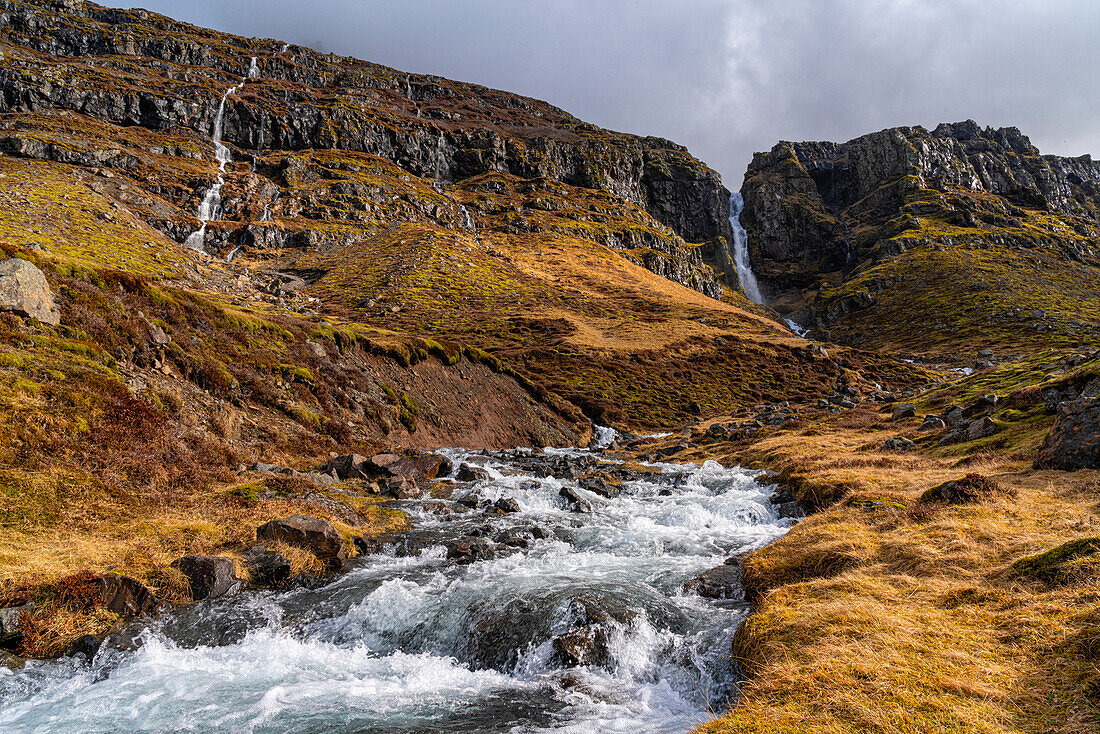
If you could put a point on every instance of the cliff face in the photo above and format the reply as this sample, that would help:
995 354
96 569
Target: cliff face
134 68
834 227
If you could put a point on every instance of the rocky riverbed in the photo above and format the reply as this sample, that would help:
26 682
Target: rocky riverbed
554 590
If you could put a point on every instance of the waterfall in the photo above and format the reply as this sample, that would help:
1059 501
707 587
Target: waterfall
211 205
253 69
409 94
467 220
439 158
741 251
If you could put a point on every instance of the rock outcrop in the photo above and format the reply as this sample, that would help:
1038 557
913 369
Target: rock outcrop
1074 440
441 130
821 216
25 291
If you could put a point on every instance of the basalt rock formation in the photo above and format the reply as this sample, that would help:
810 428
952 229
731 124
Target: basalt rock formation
139 69
897 235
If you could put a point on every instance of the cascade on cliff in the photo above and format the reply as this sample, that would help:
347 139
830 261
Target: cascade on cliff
253 69
741 251
211 204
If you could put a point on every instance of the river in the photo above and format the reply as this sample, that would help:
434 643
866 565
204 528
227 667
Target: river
407 640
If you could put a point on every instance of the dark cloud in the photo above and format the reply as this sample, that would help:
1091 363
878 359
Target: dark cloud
730 77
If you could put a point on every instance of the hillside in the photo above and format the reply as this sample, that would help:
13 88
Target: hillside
936 243
264 309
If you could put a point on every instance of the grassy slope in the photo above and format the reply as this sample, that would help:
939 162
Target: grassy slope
885 614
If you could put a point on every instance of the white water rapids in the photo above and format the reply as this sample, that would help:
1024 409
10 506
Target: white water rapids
408 641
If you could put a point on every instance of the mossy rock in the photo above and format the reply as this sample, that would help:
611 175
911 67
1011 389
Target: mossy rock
1072 562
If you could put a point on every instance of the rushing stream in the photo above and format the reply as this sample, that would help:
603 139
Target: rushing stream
408 640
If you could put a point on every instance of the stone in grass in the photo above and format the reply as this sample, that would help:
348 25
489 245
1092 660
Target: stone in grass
266 567
310 533
904 410
898 443
971 488
1075 561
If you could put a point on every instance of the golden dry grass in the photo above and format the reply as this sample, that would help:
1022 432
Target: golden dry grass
882 614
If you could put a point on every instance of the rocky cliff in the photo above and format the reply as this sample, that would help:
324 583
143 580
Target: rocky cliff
139 69
835 229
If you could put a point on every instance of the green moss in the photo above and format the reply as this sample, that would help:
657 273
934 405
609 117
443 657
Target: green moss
1069 562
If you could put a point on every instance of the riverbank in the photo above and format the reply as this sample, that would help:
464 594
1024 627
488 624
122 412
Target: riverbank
893 610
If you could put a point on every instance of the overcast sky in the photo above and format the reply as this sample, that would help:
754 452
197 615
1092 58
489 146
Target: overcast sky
729 77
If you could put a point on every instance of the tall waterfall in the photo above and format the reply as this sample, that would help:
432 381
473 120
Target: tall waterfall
211 205
741 251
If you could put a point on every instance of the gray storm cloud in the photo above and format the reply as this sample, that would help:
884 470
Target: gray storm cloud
729 77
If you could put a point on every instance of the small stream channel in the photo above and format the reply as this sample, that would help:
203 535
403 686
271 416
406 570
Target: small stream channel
409 640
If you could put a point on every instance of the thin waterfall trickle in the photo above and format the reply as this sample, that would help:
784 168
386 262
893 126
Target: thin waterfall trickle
409 94
253 69
211 205
741 251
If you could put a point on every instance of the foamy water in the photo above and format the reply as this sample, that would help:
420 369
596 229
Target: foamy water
416 643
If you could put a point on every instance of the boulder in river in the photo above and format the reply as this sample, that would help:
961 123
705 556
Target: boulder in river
720 582
469 550
210 576
592 620
468 473
86 645
311 533
574 501
25 291
1074 440
507 505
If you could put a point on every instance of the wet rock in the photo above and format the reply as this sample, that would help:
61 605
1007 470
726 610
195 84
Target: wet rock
11 662
574 501
467 473
981 428
903 410
507 505
898 443
585 646
600 486
1074 440
25 291
402 488
792 509
266 567
470 500
125 596
302 531
470 550
86 645
209 576
720 582
11 623
588 641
